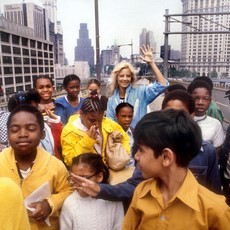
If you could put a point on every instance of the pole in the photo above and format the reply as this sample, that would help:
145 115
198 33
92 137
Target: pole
165 63
97 41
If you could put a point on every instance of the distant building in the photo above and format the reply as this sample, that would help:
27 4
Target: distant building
22 57
30 15
147 38
81 69
84 50
204 53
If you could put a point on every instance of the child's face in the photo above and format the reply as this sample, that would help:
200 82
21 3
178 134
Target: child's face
92 118
202 100
73 89
24 133
45 89
149 165
85 170
125 117
93 87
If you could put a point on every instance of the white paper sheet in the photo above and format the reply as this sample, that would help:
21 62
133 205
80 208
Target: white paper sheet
38 195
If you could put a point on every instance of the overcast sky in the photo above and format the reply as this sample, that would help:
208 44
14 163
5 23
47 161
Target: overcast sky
120 21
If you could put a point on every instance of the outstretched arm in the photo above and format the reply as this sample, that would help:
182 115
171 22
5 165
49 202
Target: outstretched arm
148 57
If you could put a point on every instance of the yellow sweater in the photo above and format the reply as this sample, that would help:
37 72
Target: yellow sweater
13 213
46 168
75 141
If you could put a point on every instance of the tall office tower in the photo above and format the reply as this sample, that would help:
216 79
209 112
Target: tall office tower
147 38
55 30
51 7
30 15
206 53
84 51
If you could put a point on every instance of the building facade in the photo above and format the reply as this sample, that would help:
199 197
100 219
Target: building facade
206 53
84 50
22 57
30 15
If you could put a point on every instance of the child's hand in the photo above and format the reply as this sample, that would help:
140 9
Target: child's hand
87 186
51 115
92 132
41 212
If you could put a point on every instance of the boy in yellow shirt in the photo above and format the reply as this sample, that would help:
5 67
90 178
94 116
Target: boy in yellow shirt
171 198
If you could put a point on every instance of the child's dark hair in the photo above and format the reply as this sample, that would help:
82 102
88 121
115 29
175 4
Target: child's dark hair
173 87
95 162
94 81
122 105
69 78
199 84
21 97
29 109
42 77
206 79
182 96
173 129
92 104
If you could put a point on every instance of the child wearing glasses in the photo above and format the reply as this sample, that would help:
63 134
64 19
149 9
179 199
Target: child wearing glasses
81 211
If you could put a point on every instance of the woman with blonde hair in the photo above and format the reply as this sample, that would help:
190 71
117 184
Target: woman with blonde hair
122 89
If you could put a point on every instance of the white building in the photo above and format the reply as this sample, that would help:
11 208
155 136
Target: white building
204 53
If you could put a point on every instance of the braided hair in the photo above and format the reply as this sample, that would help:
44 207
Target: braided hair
92 103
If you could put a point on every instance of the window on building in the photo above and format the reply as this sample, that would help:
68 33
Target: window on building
27 87
26 61
7 60
25 52
7 70
40 69
40 62
39 53
5 37
34 69
18 79
32 43
34 61
44 46
17 60
39 45
16 50
26 69
24 41
9 80
18 70
27 78
45 54
10 90
19 88
33 53
6 49
15 39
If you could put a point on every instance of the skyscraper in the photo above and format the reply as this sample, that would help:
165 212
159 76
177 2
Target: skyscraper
205 53
84 51
147 38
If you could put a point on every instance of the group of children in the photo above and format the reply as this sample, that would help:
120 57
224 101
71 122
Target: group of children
170 148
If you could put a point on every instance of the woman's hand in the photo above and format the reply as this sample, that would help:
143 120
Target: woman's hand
147 54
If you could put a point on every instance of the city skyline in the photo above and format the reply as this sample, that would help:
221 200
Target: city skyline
116 24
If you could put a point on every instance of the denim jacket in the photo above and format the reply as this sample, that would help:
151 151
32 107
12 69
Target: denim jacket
139 97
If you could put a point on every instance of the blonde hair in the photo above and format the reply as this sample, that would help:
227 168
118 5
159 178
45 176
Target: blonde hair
113 85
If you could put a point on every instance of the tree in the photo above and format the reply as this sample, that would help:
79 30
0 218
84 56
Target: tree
213 74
